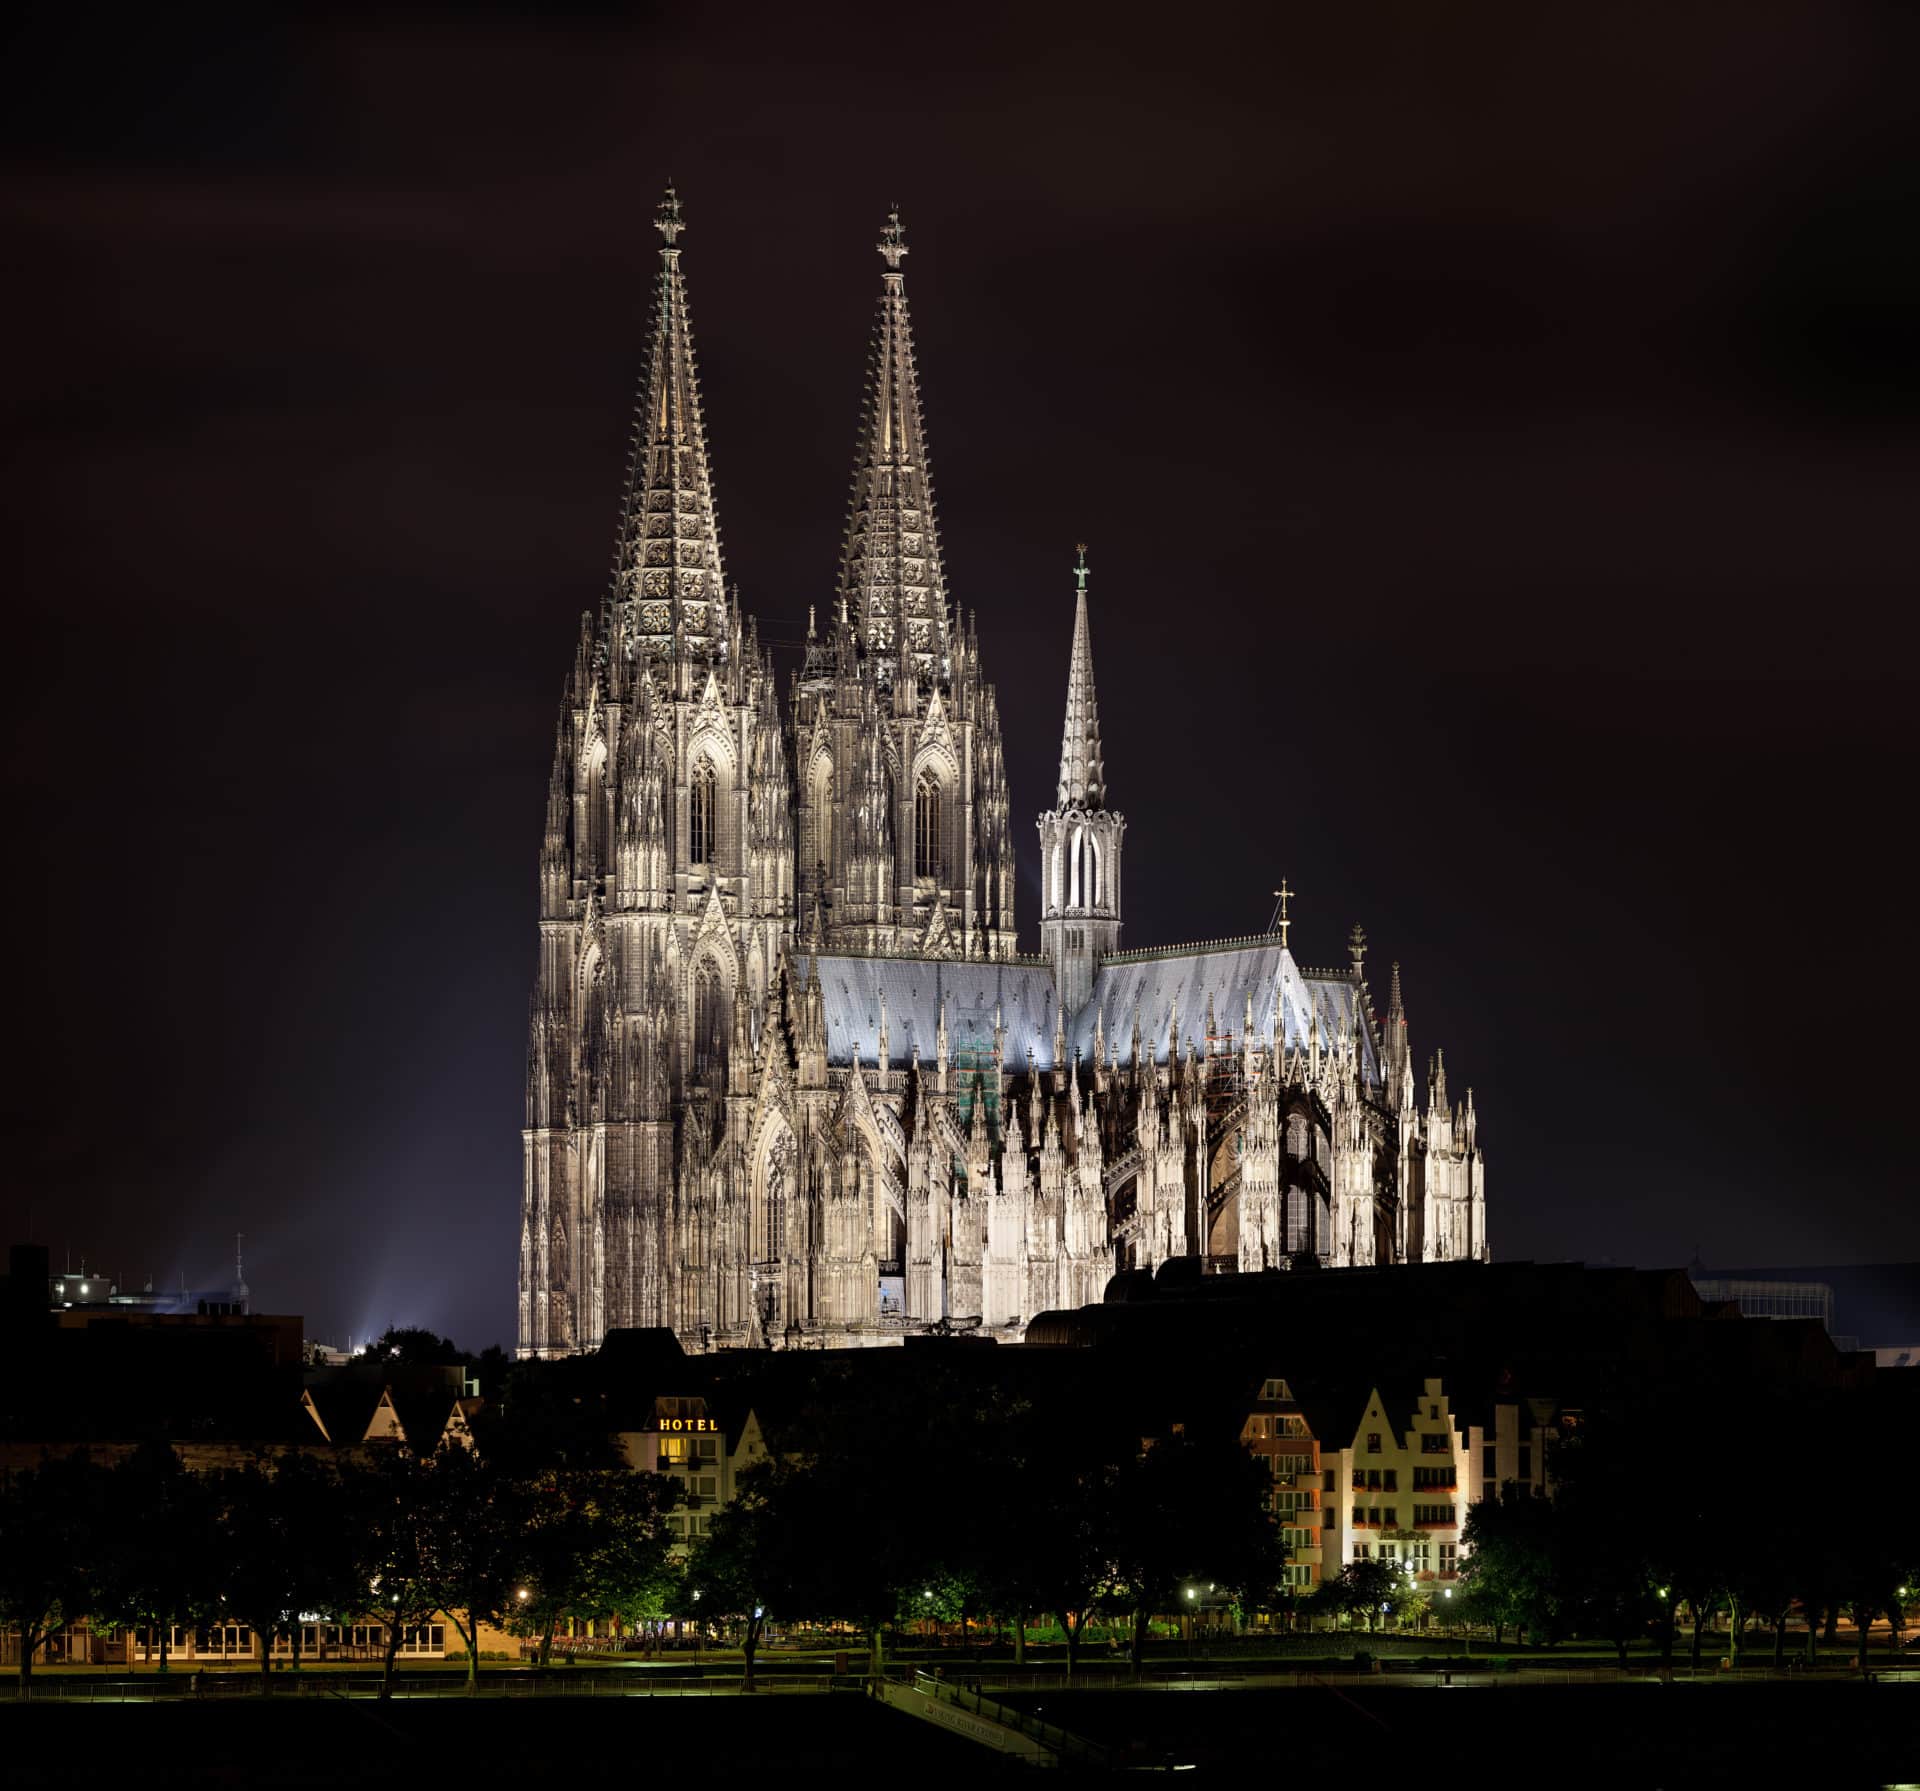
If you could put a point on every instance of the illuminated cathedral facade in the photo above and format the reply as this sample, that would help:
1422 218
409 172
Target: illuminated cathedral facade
790 1082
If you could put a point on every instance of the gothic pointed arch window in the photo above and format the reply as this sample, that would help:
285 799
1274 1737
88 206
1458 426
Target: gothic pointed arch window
926 828
821 805
709 1019
703 814
597 806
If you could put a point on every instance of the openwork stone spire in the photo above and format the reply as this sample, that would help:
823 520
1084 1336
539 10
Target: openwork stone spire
667 563
891 577
1083 782
1081 838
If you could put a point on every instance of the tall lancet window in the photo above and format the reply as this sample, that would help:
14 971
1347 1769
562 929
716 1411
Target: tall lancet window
926 829
709 1020
702 814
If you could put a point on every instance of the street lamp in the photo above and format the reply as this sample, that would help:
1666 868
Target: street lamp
522 1595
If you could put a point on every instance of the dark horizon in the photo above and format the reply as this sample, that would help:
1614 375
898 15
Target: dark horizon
1495 438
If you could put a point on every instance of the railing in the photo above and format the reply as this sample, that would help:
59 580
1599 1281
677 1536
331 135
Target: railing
56 1686
1051 1736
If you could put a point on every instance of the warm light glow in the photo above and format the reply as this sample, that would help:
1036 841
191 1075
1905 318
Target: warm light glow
522 1595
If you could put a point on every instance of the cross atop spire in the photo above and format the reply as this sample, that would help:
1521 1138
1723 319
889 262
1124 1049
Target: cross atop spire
667 566
1082 773
1281 897
666 217
892 582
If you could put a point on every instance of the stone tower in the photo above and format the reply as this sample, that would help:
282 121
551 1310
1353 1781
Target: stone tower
666 891
904 837
1080 837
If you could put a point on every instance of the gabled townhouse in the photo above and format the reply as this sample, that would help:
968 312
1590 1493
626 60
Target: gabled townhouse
1278 1432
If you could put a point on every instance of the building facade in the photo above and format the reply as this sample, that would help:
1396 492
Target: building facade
789 1080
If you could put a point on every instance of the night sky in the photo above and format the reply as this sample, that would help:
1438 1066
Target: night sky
1496 430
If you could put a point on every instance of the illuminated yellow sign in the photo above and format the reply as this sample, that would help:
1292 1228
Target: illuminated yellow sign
689 1423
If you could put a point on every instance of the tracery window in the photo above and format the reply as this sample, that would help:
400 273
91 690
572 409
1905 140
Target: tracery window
709 1021
702 814
926 829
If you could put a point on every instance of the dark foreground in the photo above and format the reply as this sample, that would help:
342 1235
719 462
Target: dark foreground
1831 1735
1828 1735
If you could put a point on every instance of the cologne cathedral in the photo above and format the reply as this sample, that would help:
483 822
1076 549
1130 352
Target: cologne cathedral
790 1082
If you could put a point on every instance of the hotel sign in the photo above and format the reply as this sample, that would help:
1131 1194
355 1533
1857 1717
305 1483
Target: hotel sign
686 1424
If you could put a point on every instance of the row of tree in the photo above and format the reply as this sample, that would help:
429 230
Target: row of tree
396 1538
991 1510
1723 1505
938 1498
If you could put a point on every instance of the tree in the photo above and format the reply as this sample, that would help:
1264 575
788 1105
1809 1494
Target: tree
1332 1599
594 1543
1069 1506
1370 1588
481 1510
158 1553
400 1501
1603 1580
415 1346
747 1566
286 1545
51 1525
1187 1510
1512 1563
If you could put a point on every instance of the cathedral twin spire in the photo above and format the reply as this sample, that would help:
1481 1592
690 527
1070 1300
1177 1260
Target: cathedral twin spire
668 575
893 587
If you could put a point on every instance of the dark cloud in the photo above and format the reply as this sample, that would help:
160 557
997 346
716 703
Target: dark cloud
1496 434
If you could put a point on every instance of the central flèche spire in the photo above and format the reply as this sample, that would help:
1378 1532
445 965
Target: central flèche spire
1083 780
667 565
891 576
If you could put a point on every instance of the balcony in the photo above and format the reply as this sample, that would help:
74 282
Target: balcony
1302 1482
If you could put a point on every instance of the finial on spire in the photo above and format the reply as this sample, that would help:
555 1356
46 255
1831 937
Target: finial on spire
1357 949
666 218
1280 923
893 240
1082 768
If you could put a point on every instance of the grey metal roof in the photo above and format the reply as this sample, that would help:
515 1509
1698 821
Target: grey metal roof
1024 995
1266 972
913 987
